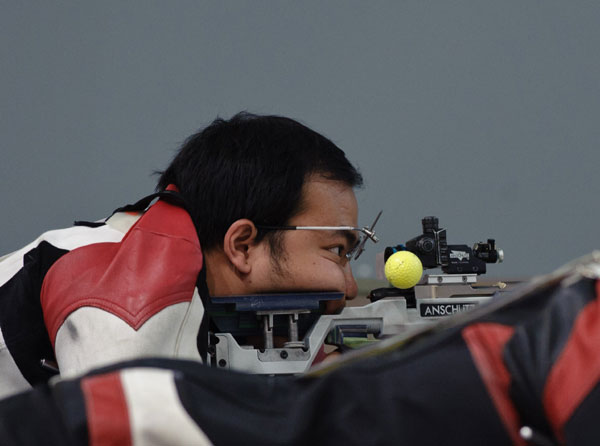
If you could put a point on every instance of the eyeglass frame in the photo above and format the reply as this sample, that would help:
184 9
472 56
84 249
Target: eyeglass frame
354 252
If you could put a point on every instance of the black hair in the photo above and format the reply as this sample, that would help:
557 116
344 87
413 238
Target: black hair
251 167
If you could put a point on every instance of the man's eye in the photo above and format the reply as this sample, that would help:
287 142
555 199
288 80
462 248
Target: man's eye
337 250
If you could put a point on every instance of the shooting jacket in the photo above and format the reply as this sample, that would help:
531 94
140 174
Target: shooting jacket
98 293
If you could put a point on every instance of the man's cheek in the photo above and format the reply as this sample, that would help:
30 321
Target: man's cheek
334 280
330 277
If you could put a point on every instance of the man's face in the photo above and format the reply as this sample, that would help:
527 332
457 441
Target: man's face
315 260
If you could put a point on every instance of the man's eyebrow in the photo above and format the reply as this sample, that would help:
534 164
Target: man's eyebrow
349 235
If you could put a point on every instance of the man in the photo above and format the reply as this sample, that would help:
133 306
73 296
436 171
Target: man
136 284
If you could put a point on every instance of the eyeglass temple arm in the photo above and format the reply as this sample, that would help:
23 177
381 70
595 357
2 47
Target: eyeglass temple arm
369 233
367 230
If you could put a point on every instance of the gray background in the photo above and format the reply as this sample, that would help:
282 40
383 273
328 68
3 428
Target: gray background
483 113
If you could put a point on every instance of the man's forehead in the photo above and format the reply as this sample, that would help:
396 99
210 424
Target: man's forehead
328 202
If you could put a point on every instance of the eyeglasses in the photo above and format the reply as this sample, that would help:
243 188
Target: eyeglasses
355 252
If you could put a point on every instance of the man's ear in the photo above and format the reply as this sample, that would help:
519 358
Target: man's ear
238 240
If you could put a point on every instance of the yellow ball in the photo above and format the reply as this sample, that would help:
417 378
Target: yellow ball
403 269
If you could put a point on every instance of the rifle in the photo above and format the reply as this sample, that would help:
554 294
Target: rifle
285 333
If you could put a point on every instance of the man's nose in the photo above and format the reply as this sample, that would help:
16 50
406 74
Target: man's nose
351 286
